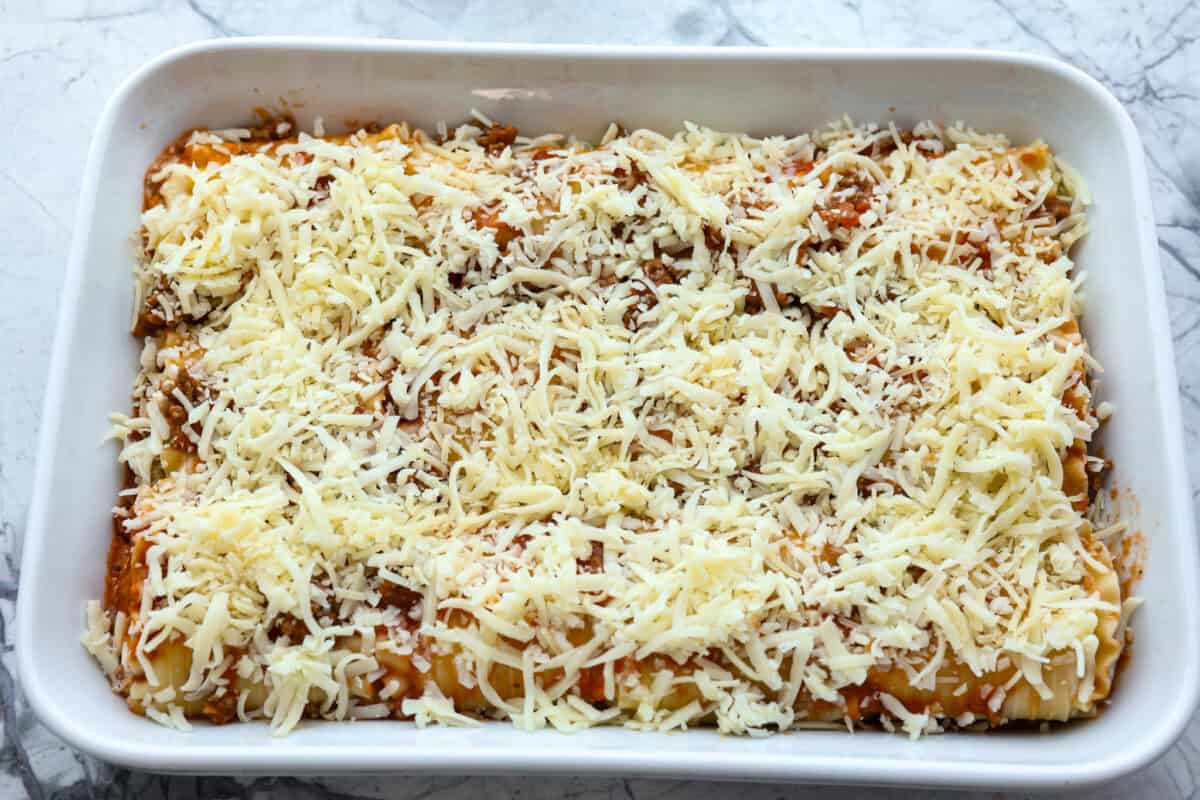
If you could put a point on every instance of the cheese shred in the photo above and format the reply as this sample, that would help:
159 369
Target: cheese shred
700 429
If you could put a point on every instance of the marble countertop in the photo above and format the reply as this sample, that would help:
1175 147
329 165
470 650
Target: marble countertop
60 59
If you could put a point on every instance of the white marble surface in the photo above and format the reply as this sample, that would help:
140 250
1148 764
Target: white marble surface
60 59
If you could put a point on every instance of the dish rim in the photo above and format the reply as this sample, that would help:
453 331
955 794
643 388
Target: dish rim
760 766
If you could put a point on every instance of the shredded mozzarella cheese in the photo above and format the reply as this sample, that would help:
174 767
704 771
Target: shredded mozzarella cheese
726 424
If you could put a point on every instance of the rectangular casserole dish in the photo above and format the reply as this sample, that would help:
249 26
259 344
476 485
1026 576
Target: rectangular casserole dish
579 90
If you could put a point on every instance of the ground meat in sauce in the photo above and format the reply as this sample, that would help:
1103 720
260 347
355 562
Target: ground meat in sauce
842 215
659 273
1057 207
797 167
502 232
869 486
643 290
753 304
320 190
644 300
121 575
630 179
397 596
289 625
174 410
221 710
594 563
847 213
496 138
152 317
713 238
886 144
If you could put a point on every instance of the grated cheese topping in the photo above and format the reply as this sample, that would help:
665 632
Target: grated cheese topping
670 430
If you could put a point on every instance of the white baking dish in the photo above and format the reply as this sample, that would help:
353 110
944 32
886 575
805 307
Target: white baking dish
580 90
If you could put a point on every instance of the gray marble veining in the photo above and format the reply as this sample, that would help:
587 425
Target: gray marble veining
60 59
